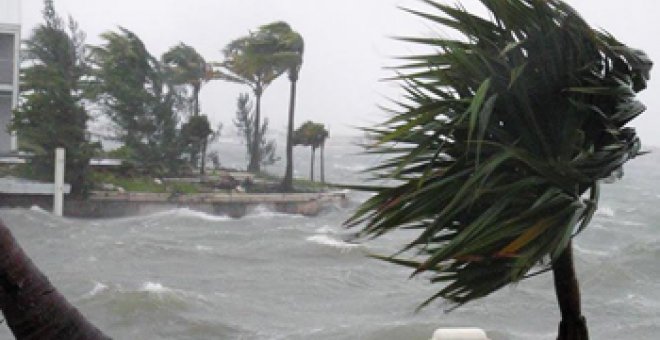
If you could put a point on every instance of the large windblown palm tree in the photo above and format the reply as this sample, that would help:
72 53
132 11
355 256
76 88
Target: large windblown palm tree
186 66
499 146
288 53
249 61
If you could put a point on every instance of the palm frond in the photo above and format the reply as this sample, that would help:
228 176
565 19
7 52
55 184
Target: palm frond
500 140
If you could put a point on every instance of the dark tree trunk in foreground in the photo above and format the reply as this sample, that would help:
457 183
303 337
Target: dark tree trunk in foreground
287 183
573 325
32 307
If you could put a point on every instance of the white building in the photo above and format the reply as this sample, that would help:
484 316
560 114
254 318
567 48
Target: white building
10 40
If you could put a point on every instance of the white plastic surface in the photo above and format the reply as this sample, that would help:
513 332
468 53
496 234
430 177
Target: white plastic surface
459 334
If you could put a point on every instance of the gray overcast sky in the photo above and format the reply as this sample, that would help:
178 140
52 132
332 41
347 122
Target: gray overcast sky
347 46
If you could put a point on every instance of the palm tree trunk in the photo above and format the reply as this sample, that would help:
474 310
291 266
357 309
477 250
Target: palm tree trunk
311 168
196 89
205 143
255 156
194 155
323 163
32 307
573 325
287 183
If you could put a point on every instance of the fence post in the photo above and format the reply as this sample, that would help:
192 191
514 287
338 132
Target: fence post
58 198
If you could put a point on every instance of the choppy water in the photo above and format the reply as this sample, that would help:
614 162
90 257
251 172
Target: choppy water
186 275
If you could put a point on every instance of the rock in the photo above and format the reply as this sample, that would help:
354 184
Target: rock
227 182
108 187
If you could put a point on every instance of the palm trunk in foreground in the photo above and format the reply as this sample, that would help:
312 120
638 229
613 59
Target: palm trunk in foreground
573 325
32 307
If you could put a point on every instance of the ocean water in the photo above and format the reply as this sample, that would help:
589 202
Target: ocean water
182 274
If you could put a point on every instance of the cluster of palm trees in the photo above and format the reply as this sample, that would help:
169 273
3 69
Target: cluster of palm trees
256 60
187 67
313 135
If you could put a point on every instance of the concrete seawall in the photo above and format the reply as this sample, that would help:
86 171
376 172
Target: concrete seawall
113 204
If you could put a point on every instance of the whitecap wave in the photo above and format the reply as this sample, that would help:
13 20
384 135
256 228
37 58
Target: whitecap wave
353 168
633 224
154 287
605 211
592 252
326 229
203 249
326 240
39 209
186 212
98 288
152 219
164 292
261 212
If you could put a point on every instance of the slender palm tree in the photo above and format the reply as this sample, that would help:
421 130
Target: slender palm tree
249 61
32 307
186 66
323 161
320 135
289 50
498 145
313 135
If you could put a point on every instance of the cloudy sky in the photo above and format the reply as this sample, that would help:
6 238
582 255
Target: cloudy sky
347 46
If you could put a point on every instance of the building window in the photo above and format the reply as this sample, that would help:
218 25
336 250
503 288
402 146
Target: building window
6 59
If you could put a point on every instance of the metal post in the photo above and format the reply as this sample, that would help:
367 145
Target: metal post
58 198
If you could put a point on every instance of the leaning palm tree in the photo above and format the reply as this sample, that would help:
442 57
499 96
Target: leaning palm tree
325 137
499 145
248 61
187 67
318 138
31 306
313 135
289 51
